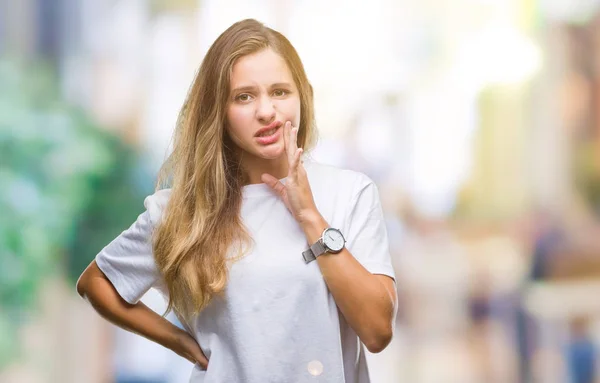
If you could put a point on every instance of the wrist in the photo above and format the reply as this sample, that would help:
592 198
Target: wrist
313 224
185 346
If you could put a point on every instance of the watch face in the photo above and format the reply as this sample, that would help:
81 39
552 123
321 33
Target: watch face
333 240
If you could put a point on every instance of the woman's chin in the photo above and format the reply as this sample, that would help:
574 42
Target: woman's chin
273 153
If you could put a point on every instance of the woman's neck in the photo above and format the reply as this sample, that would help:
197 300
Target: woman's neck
255 167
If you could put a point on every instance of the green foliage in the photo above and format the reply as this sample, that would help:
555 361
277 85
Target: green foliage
587 174
68 188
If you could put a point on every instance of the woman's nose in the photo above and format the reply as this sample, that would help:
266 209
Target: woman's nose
265 109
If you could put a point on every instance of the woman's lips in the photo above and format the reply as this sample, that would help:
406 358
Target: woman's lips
270 139
273 125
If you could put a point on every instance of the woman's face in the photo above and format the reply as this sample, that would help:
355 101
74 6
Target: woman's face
263 96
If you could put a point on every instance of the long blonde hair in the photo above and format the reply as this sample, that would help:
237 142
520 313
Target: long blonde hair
201 223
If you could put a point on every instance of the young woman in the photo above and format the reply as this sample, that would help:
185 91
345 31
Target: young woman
277 266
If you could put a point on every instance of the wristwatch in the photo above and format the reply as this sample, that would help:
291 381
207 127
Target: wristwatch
331 241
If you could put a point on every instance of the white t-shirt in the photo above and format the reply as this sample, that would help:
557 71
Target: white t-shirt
277 321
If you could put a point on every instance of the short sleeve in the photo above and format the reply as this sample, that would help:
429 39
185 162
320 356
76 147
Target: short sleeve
366 233
128 261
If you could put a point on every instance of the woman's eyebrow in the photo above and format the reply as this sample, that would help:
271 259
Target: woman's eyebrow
245 88
281 85
248 88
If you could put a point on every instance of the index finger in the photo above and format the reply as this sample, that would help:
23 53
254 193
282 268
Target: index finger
287 134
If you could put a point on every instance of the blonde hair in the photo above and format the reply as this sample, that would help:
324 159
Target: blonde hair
201 223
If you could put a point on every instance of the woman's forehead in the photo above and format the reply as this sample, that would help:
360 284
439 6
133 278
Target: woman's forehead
262 68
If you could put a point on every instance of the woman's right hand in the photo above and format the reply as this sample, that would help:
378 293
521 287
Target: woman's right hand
187 347
137 318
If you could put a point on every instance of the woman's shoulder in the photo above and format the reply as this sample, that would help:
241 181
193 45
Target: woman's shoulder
156 203
348 179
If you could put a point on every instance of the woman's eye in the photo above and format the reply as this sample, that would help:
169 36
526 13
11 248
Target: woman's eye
279 93
243 97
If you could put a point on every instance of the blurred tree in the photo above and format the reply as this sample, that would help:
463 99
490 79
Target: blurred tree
587 174
159 6
68 188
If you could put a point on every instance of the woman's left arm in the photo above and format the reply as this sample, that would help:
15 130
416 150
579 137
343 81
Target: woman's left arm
367 301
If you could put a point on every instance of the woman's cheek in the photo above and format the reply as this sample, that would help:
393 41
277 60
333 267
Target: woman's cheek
292 109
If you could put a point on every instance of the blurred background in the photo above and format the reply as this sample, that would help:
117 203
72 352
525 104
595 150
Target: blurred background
478 119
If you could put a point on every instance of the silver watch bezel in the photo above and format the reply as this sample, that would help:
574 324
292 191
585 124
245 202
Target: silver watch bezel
326 246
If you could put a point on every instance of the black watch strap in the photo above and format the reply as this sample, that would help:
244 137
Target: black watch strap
315 250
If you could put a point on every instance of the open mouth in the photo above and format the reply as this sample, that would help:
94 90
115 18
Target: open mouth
268 133
269 130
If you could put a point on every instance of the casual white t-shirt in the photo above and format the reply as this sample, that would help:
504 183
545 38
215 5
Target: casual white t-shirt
277 321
